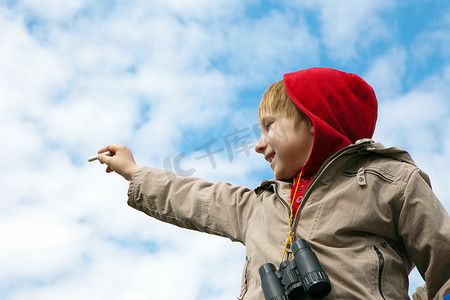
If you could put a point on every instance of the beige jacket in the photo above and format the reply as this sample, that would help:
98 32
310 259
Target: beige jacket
369 215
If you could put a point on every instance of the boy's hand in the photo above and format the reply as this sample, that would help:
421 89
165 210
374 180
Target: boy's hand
120 160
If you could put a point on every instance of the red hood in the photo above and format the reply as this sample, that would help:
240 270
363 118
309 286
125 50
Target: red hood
341 106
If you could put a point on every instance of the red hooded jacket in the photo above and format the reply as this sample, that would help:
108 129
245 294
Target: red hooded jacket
342 108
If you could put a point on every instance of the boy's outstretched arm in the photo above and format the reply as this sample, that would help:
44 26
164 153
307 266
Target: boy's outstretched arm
120 160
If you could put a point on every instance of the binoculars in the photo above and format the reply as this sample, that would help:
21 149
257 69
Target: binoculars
294 278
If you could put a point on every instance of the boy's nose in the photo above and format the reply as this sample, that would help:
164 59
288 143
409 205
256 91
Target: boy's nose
260 145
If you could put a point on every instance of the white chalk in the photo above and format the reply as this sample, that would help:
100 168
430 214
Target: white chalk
94 157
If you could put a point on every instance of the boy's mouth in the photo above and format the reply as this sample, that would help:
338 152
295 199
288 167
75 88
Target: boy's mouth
269 157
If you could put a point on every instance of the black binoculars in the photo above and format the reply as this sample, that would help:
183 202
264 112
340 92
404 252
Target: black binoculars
295 278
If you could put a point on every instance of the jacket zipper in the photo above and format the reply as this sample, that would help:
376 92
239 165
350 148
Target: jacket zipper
380 269
279 197
286 205
244 280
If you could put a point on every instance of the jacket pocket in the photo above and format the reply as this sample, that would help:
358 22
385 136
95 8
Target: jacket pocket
381 263
361 175
380 174
244 280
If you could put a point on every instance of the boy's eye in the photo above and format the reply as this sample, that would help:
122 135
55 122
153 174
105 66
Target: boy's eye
268 124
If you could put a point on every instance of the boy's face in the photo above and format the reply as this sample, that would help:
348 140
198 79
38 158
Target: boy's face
285 144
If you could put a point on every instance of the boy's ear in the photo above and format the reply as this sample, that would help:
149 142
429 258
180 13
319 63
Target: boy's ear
311 128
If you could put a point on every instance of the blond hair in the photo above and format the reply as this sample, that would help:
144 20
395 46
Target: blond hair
275 100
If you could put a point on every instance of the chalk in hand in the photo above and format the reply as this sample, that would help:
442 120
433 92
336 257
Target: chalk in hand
94 157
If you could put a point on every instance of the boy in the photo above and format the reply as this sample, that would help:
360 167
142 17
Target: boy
367 211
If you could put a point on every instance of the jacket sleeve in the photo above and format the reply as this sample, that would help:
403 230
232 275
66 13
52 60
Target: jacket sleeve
192 203
424 225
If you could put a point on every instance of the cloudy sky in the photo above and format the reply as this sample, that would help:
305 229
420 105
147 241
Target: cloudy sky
173 79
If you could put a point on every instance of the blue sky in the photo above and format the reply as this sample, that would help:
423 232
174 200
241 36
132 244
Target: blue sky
168 78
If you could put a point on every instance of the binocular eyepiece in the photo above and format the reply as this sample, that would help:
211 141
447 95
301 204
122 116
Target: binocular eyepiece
304 271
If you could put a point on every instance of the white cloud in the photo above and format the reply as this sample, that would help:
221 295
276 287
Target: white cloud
433 42
202 10
387 73
52 9
268 44
348 26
